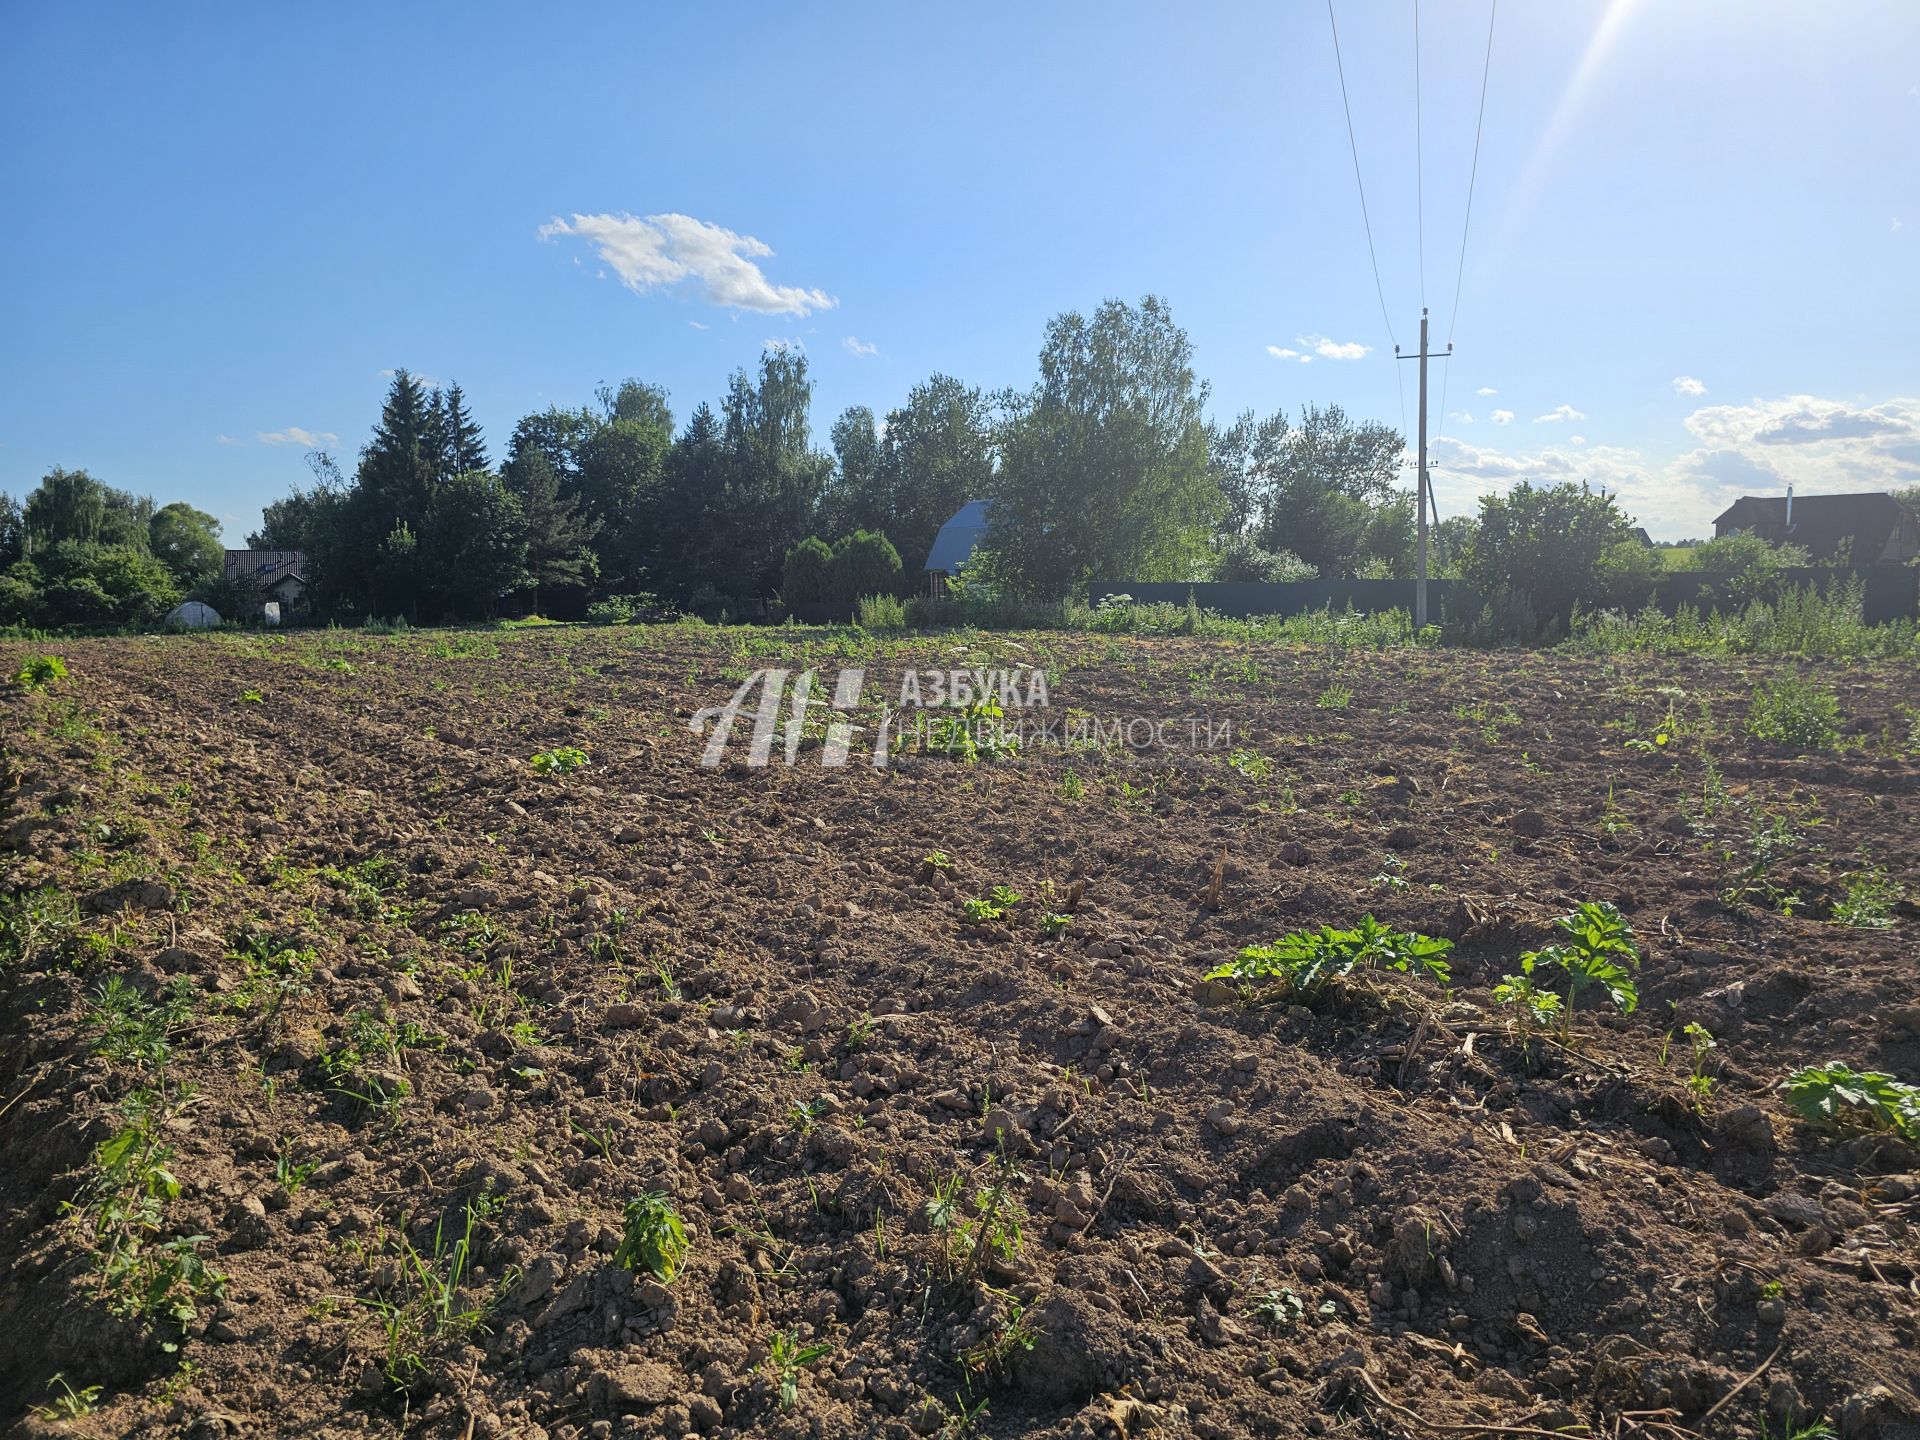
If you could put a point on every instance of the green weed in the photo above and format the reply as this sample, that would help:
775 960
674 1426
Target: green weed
563 760
786 1358
1795 713
1305 963
1598 953
1837 1093
655 1240
39 672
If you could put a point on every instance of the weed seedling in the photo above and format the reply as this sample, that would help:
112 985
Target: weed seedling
1700 1083
1869 901
69 1404
290 1173
786 1358
993 908
1599 953
1335 697
1280 1309
1251 763
123 1205
655 1240
563 760
431 1306
1305 963
989 1355
38 673
1795 713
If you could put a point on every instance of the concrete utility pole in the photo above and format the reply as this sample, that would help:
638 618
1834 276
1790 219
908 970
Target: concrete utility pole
1420 572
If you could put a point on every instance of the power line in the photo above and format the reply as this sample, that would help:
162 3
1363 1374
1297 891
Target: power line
1419 164
1479 124
1486 68
1354 146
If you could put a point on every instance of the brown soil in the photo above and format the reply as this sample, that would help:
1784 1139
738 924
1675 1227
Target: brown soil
747 988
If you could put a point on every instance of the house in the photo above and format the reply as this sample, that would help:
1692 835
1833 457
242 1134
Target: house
1871 529
279 576
955 543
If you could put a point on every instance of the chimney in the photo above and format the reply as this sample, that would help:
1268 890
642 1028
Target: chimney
1789 507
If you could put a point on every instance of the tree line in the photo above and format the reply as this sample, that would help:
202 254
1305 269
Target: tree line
81 554
1105 467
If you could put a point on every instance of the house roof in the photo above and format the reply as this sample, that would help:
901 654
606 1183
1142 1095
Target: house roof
954 545
1820 522
263 564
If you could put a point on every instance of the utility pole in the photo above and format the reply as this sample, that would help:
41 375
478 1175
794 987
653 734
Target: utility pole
1420 559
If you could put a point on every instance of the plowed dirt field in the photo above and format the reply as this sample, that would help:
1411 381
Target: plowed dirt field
336 1036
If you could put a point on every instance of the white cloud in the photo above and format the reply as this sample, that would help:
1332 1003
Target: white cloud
777 343
699 325
294 435
1465 417
226 440
1821 446
1558 415
1502 417
1576 439
860 347
1334 349
1486 390
1897 226
666 250
1280 352
1687 385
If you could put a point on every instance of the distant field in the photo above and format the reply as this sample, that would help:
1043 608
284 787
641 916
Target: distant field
1677 557
407 1021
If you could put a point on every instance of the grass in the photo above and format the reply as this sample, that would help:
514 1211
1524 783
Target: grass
430 1306
69 1403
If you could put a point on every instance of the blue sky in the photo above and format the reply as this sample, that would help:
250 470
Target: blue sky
1691 271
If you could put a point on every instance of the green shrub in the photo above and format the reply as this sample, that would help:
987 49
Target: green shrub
805 580
1744 568
1795 713
624 609
1241 558
863 563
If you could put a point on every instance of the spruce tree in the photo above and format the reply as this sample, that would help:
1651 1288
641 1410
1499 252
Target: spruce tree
464 449
556 536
